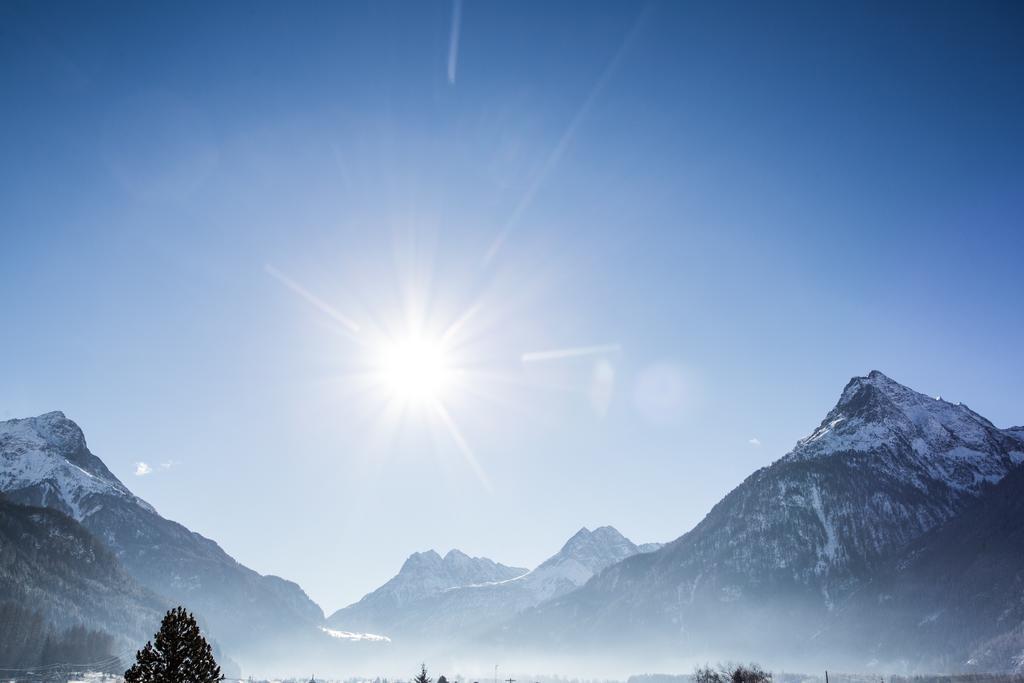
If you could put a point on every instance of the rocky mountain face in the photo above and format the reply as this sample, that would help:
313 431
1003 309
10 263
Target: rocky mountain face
769 563
51 565
44 461
473 606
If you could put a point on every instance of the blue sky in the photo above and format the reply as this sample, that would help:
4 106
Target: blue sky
744 205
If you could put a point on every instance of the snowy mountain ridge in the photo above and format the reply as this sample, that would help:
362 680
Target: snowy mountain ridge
46 459
427 573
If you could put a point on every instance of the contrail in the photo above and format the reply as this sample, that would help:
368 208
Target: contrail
316 301
563 143
558 354
453 41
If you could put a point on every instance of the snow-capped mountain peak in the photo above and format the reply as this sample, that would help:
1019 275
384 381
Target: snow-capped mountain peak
53 428
44 460
586 553
928 438
423 574
428 558
595 549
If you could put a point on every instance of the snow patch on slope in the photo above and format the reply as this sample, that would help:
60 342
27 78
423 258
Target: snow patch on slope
831 548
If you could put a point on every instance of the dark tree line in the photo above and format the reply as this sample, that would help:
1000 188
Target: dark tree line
27 641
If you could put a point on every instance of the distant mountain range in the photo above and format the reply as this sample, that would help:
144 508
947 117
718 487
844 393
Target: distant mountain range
487 594
422 576
891 537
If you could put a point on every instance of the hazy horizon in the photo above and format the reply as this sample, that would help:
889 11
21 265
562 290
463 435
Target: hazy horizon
661 239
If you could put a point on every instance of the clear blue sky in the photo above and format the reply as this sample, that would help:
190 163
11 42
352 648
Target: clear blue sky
745 204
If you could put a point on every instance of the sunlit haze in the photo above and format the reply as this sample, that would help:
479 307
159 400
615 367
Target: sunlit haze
332 283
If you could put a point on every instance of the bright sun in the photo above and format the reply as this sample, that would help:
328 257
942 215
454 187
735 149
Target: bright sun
416 369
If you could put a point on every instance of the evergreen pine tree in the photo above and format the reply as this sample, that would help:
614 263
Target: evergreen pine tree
422 678
177 654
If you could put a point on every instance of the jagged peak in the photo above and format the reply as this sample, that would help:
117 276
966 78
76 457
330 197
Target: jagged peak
453 560
578 538
876 388
44 418
875 384
51 429
418 558
878 414
583 555
585 538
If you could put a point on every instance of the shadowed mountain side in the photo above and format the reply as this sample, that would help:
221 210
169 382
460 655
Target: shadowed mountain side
50 564
953 597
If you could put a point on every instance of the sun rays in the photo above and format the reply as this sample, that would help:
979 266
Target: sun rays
422 363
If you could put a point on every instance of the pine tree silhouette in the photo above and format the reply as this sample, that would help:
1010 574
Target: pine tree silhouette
423 677
177 654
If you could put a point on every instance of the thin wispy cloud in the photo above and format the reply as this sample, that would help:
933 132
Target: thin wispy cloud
453 41
755 442
143 469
